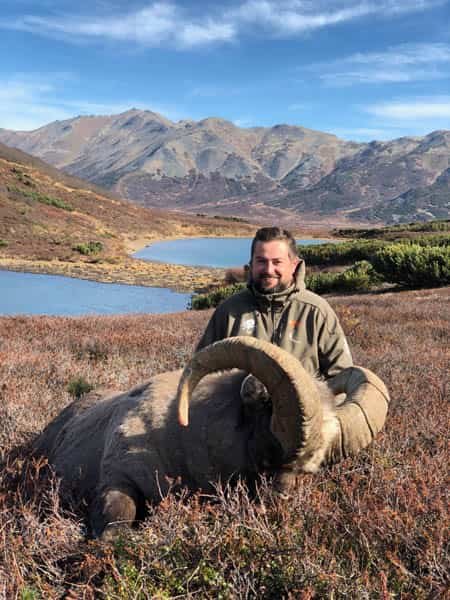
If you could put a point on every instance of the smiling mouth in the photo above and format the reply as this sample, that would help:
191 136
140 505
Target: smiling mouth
269 279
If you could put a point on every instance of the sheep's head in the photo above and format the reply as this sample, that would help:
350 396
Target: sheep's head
296 416
305 436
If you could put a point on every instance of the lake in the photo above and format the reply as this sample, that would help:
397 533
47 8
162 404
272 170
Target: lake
35 294
204 252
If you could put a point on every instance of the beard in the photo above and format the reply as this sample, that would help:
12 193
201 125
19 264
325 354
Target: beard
261 284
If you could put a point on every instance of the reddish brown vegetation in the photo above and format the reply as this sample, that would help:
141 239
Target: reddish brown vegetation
44 215
371 527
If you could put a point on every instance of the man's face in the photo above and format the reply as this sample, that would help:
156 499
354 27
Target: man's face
272 268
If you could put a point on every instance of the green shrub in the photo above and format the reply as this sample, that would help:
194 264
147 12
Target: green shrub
79 386
412 265
42 198
212 299
50 201
360 277
342 253
345 253
89 248
437 239
378 232
3 243
29 593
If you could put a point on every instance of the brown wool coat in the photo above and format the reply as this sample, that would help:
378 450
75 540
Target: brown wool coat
296 319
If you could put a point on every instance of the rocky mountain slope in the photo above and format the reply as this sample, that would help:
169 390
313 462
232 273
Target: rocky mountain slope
215 166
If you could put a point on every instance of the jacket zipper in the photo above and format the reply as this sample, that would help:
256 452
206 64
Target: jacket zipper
275 329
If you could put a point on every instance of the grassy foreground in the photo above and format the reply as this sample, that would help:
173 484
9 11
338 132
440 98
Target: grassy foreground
371 527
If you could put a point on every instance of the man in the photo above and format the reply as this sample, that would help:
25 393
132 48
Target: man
276 307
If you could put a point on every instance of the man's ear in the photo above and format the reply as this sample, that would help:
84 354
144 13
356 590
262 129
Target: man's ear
247 272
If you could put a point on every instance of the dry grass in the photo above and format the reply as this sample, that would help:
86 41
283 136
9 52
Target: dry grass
371 527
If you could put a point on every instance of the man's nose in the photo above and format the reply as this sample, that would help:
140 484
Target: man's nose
270 268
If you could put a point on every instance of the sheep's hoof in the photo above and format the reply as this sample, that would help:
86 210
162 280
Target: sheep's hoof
114 531
285 484
112 514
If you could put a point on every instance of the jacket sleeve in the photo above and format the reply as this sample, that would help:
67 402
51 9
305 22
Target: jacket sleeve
214 331
334 352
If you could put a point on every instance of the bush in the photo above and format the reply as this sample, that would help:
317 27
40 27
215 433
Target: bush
42 198
361 277
342 253
413 265
79 386
89 248
212 299
345 253
378 232
3 243
437 239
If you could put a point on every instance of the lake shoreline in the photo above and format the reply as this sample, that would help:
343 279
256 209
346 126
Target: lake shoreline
132 271
129 272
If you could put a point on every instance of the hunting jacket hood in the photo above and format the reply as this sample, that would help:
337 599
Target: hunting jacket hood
295 319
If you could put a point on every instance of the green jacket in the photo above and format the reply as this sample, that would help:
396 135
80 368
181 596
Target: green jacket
296 319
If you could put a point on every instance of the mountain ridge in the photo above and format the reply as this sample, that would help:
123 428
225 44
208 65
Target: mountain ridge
215 166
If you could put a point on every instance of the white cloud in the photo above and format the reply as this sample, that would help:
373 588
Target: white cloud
398 64
157 24
166 23
19 107
411 110
288 17
27 103
192 34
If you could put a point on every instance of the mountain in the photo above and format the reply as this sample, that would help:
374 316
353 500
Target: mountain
46 215
213 166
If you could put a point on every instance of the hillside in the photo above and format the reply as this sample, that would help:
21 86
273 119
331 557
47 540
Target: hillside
53 223
372 526
213 166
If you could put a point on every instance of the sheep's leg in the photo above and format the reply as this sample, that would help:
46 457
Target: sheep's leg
111 513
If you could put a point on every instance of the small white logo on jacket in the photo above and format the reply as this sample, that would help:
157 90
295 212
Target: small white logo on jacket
248 326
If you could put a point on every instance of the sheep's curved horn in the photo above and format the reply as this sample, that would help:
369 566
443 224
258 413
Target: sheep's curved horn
297 409
361 415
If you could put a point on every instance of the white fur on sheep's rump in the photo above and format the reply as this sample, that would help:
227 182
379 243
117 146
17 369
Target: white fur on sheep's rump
120 451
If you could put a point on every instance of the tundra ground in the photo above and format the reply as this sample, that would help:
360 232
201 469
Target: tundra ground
373 526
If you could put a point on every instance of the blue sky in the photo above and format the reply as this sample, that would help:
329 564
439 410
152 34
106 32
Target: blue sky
362 69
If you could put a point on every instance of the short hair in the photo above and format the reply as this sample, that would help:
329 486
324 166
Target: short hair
270 234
